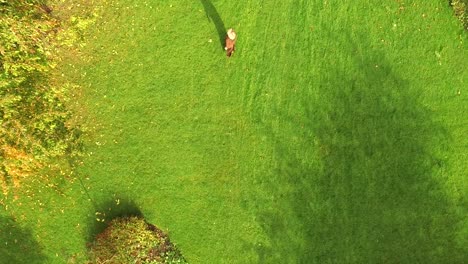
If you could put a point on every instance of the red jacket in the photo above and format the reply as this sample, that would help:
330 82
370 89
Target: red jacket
230 46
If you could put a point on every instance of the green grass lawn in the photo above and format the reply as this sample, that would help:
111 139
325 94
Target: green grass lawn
337 133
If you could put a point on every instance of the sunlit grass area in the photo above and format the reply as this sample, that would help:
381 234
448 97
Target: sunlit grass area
335 134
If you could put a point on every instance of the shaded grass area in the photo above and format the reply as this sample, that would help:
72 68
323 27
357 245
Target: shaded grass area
361 188
18 244
365 146
104 212
213 15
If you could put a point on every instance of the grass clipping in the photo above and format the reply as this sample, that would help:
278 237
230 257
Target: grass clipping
133 240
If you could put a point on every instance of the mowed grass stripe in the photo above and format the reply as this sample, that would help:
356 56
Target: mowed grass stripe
361 67
332 107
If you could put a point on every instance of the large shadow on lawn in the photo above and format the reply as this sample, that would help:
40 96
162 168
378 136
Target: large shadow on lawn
18 244
213 15
361 189
106 210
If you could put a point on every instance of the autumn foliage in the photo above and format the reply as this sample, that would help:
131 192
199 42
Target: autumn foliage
34 120
133 240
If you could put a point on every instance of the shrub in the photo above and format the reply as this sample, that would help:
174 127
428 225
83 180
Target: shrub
460 8
133 240
34 122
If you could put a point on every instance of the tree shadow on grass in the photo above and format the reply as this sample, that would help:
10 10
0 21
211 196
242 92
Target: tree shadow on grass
213 14
18 244
107 210
361 189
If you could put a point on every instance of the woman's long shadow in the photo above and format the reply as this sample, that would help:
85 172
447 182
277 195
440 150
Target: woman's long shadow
213 15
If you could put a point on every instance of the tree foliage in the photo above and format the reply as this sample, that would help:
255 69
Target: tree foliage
34 127
133 240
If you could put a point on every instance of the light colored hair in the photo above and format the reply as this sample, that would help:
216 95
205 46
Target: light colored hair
231 34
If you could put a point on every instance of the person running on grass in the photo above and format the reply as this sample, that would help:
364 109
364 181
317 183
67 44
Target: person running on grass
231 38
